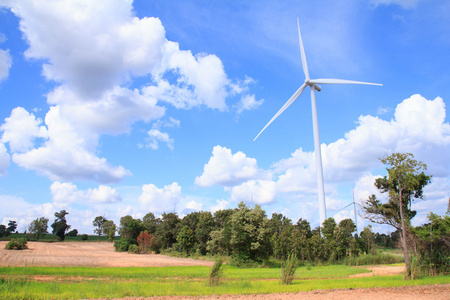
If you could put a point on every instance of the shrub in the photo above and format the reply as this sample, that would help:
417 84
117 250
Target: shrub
17 244
133 249
84 237
288 270
373 259
216 272
72 233
121 245
144 241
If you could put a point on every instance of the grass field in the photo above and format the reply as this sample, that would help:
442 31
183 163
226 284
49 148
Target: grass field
88 282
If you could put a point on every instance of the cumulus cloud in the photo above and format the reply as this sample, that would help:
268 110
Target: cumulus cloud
155 136
227 169
4 159
254 191
248 102
65 193
5 64
159 200
21 129
68 154
93 50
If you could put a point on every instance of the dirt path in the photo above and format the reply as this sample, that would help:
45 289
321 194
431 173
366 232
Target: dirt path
86 254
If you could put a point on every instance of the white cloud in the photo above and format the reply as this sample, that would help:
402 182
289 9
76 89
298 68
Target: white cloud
68 154
155 136
21 129
248 102
193 205
254 191
227 169
65 193
159 200
4 159
221 204
407 4
5 64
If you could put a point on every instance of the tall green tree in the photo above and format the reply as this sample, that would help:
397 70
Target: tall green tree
98 222
130 229
60 226
168 230
150 223
12 225
343 237
404 183
109 230
186 239
205 226
38 227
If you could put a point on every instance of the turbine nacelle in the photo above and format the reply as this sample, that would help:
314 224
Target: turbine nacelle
317 87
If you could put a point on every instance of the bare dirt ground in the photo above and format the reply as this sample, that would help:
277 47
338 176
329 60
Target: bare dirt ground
102 255
86 254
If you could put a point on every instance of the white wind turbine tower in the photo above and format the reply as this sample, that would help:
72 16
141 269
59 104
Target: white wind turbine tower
313 84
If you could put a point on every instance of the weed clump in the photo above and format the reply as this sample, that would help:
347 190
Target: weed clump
216 272
17 244
288 269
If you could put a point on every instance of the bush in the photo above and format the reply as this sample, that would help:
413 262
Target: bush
17 244
121 245
373 259
216 272
84 237
133 249
72 233
288 271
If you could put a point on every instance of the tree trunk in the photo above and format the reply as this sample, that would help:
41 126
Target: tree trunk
404 243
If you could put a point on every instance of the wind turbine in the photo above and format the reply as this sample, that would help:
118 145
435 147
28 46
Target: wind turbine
313 84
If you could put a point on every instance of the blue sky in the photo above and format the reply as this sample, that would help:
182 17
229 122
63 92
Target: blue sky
128 107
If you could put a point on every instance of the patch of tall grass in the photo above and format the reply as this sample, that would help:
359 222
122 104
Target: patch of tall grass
216 273
373 259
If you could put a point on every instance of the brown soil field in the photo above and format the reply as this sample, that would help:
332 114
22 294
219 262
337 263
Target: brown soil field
102 255
91 254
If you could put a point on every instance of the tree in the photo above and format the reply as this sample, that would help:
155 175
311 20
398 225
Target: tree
168 230
130 229
185 238
205 226
343 236
12 225
367 240
3 231
144 241
150 223
38 227
404 183
60 225
300 236
109 230
98 222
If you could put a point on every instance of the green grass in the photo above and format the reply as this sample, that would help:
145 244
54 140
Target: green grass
88 282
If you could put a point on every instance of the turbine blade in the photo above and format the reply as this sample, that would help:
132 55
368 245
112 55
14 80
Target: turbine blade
286 105
339 81
302 53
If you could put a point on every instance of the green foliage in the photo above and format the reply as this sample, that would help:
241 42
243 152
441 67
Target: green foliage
432 241
38 227
109 230
288 270
72 233
121 245
17 244
373 259
12 225
404 183
130 228
150 223
168 230
185 239
60 225
3 231
216 272
84 237
98 222
133 249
